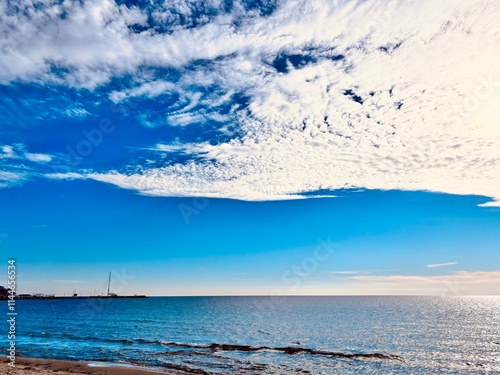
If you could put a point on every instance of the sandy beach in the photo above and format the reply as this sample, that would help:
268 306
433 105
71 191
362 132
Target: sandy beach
29 366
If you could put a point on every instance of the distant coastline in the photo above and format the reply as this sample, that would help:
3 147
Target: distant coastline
4 296
46 297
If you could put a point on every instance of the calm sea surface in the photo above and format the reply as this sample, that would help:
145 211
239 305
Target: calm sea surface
266 335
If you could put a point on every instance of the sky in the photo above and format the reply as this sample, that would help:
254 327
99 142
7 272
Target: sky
251 147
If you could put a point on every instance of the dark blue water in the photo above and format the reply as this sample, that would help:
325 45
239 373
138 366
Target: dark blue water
268 335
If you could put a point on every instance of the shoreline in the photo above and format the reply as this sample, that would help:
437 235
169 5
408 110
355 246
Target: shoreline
40 366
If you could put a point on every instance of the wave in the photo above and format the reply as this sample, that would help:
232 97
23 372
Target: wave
299 350
214 347
285 350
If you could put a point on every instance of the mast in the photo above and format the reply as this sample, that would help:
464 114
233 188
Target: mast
109 282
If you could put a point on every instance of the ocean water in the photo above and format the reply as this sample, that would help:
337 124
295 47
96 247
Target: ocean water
268 335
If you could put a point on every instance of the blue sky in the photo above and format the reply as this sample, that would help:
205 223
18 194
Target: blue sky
69 235
247 147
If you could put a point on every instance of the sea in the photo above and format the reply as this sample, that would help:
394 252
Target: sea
266 335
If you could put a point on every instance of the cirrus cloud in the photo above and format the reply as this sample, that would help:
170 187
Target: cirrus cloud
441 264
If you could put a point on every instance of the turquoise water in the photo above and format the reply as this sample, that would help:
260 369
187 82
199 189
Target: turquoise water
269 335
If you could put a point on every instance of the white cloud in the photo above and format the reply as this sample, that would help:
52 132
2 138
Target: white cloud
346 272
18 165
14 151
8 179
188 149
13 170
65 176
441 264
149 89
90 38
460 277
183 119
77 112
7 152
426 74
38 158
18 151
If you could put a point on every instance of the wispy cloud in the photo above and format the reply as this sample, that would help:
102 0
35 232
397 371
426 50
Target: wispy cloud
76 112
441 264
346 272
38 158
65 176
18 152
17 165
464 277
7 152
8 179
460 282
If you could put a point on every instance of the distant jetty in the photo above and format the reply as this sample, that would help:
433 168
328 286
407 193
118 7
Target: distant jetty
43 296
40 296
